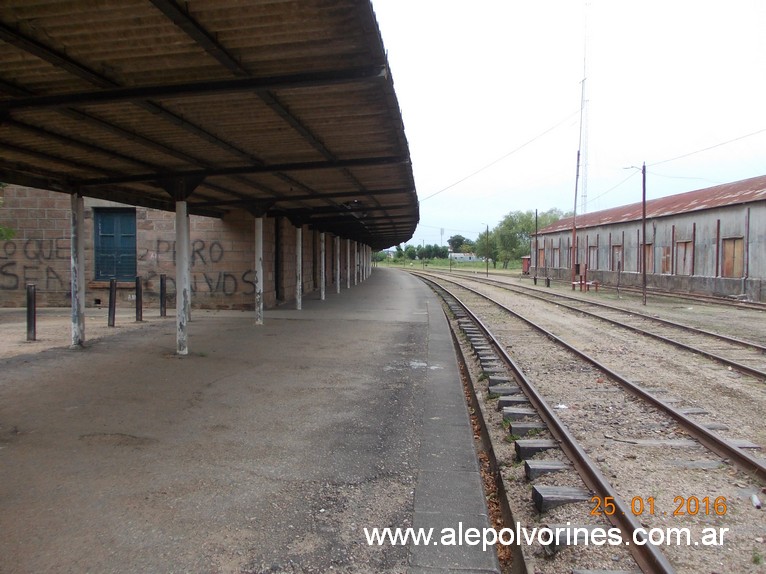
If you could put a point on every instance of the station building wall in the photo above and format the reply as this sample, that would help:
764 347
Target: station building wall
222 252
719 251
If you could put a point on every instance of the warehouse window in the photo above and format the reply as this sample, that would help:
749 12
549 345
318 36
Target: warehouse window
115 244
734 257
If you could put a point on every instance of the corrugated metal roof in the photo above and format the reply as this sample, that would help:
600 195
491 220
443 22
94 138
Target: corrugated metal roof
745 191
285 106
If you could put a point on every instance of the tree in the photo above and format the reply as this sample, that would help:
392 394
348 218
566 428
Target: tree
514 232
410 252
467 246
486 246
456 242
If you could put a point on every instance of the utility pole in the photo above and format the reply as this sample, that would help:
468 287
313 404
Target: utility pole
574 225
537 250
643 224
487 250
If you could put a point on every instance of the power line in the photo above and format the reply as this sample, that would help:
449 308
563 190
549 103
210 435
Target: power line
613 187
680 157
708 148
478 171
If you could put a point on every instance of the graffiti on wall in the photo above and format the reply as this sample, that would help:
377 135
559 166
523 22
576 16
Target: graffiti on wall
203 254
37 261
45 262
220 283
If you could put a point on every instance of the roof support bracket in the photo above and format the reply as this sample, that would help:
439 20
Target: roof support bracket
259 208
181 188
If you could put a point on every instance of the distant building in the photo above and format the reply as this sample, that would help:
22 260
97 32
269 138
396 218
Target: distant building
463 257
710 241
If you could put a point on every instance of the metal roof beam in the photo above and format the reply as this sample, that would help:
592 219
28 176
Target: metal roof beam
239 170
57 59
141 93
329 196
351 218
183 20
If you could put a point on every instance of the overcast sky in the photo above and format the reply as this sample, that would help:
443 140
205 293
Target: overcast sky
490 93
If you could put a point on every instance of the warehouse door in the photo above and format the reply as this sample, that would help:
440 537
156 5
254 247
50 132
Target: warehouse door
734 257
649 257
593 257
684 257
617 258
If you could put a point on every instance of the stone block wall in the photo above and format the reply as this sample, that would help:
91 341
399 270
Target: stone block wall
222 251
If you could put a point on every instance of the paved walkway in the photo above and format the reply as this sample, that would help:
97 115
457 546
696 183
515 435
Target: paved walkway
268 449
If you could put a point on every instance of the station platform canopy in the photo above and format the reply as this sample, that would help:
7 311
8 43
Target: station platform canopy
279 107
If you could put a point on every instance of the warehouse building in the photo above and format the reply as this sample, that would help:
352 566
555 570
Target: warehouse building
710 241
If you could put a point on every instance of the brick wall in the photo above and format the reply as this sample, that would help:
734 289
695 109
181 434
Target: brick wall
39 252
222 270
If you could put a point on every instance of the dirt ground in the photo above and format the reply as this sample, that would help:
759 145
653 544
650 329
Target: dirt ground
54 328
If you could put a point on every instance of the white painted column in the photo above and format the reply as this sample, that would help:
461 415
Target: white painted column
356 262
183 293
322 269
77 254
337 264
188 267
259 270
299 267
348 264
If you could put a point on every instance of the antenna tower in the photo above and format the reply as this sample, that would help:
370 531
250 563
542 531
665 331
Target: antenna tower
584 120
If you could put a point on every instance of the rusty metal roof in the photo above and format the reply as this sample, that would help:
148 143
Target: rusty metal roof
738 192
279 107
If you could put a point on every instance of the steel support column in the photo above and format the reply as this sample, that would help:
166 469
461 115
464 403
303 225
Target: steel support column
348 264
183 291
187 242
322 270
259 271
299 267
336 240
77 253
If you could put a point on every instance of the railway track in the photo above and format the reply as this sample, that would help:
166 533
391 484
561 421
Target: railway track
622 440
692 297
743 355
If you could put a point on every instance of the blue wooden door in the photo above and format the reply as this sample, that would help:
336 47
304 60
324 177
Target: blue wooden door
115 244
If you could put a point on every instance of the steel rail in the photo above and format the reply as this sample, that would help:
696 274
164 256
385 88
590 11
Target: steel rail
713 356
648 557
533 293
708 438
760 306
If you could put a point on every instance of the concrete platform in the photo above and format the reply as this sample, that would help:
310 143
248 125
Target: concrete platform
267 449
